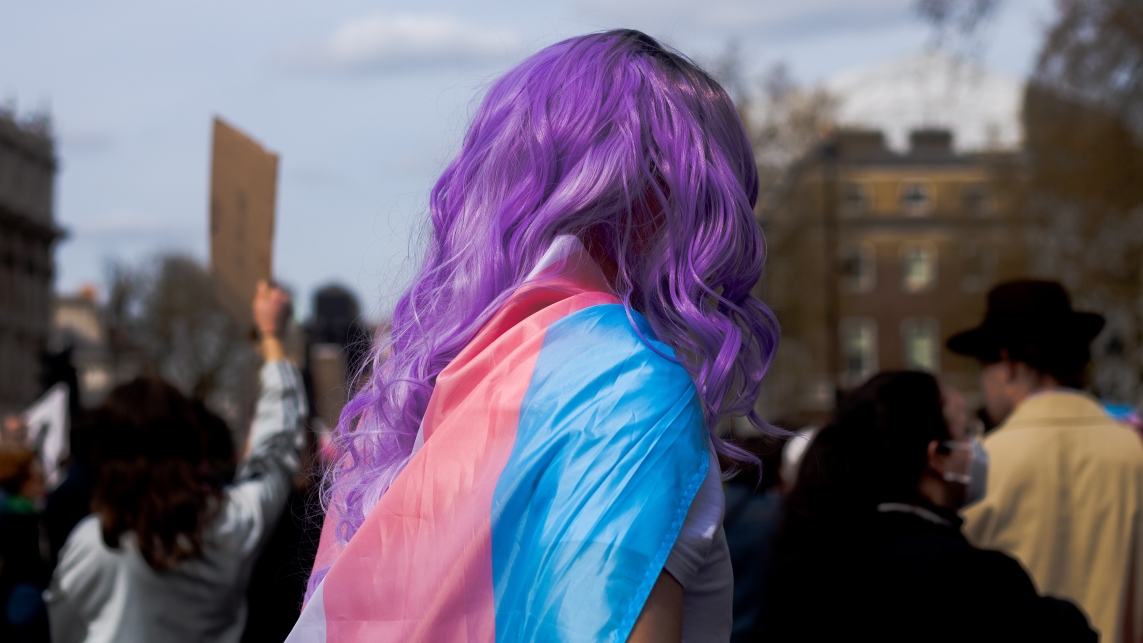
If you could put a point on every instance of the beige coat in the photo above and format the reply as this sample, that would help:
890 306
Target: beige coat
1065 497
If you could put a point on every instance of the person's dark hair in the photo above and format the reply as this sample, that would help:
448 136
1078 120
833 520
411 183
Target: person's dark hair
876 448
154 478
874 452
767 474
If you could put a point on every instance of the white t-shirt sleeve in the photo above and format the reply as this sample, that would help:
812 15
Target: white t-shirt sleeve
700 561
84 582
698 533
254 502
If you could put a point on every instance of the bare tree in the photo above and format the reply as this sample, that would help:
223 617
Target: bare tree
1083 119
783 118
788 121
165 315
957 26
1094 53
119 317
730 70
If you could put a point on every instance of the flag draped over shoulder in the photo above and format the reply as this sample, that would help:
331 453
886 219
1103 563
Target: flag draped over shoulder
560 454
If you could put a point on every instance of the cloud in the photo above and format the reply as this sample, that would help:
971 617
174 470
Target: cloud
382 42
774 17
932 89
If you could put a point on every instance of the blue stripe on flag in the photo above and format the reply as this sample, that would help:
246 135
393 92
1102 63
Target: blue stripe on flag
610 450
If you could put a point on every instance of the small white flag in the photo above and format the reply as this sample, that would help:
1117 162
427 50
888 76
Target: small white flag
47 422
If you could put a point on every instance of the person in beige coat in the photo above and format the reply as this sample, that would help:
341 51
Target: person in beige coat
1065 486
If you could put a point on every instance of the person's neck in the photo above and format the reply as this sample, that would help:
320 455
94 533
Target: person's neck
1035 386
934 491
593 243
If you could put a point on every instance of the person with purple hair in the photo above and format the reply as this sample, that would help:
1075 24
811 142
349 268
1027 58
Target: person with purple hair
531 452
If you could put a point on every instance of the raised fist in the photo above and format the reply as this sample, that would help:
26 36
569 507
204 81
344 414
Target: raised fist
272 309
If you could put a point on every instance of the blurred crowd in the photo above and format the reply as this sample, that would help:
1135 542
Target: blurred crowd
909 515
156 516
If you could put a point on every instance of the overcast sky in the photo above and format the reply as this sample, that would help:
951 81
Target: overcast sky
364 101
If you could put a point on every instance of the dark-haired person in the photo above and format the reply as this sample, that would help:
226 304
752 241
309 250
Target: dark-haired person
1066 492
168 553
871 547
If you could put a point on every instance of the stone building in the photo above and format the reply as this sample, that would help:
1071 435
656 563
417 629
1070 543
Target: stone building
876 258
28 235
78 329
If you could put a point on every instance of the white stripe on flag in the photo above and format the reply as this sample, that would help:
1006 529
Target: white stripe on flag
310 627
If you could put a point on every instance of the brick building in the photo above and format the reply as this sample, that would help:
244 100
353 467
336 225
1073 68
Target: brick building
28 235
876 257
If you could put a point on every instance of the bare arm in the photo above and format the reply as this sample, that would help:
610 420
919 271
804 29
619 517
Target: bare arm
271 311
661 620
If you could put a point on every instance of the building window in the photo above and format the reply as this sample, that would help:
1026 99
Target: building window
980 268
916 198
854 199
920 344
858 267
918 266
977 200
858 350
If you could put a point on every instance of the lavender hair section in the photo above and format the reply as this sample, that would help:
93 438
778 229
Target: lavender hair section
624 143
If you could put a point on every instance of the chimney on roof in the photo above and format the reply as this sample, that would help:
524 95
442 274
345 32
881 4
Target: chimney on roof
930 143
88 292
860 144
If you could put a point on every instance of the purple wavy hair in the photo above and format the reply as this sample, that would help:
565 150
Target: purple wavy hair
631 146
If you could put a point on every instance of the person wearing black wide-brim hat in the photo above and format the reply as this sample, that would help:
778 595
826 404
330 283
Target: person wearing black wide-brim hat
1065 483
1031 339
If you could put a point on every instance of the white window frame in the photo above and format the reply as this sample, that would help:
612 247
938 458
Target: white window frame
917 210
911 328
867 256
989 261
871 357
863 202
931 249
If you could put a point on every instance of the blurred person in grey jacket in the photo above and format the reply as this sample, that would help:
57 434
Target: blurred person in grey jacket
168 552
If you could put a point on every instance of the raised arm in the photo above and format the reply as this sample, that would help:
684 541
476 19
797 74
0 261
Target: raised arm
271 457
281 408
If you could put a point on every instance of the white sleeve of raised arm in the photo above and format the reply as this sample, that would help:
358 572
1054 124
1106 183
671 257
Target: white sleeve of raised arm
254 503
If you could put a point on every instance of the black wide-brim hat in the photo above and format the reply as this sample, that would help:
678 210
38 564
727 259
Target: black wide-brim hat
1027 312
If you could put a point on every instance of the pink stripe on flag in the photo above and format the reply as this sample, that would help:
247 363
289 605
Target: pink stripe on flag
420 567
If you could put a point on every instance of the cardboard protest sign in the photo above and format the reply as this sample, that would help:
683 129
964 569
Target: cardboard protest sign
243 186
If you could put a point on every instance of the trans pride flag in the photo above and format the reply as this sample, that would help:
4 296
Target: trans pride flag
558 457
